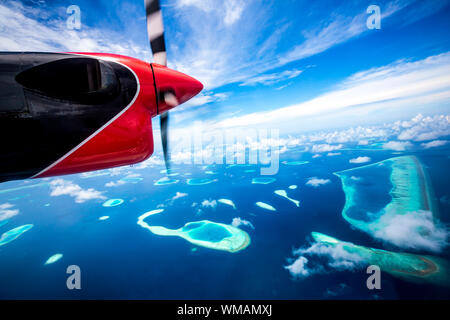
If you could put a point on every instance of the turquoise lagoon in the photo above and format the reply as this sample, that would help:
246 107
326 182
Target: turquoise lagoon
410 267
377 192
203 233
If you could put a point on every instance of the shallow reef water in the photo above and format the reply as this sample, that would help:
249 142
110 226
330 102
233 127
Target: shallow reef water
203 233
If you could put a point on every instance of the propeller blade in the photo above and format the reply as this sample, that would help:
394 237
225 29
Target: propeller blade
155 31
163 123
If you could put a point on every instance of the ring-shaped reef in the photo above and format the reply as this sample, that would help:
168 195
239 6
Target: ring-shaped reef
408 266
378 193
205 233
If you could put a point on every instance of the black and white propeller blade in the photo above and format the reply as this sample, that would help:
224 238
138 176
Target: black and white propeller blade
155 30
163 123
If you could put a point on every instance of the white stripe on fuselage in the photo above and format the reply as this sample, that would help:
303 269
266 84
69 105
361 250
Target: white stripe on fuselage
104 126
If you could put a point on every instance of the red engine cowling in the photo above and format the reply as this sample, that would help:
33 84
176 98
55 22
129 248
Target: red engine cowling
127 138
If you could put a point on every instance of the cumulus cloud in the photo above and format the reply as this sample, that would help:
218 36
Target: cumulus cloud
7 211
363 142
209 204
397 145
316 182
433 144
412 230
325 148
179 195
317 143
238 222
115 183
360 160
61 187
326 258
121 181
299 268
153 161
421 128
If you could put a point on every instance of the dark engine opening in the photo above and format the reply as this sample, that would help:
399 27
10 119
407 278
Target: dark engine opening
82 80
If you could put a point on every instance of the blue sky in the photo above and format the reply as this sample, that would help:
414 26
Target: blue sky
293 65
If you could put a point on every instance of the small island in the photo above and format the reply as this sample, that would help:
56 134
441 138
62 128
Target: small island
164 181
411 267
203 233
263 180
112 202
200 181
13 234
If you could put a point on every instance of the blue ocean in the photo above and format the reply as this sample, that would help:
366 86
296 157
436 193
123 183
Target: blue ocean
119 259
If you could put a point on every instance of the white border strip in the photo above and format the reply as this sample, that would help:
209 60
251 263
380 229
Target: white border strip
105 125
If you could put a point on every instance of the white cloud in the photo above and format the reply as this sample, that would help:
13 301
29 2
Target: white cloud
61 187
272 78
299 268
316 182
238 40
115 183
233 11
122 181
325 148
336 32
22 31
422 128
7 212
360 160
433 144
153 161
209 204
238 222
204 5
336 258
317 141
412 230
339 30
353 134
179 195
203 98
398 85
397 145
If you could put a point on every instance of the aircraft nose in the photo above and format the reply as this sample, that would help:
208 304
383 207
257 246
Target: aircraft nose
173 87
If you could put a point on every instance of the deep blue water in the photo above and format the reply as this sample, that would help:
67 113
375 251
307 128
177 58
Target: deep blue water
121 260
